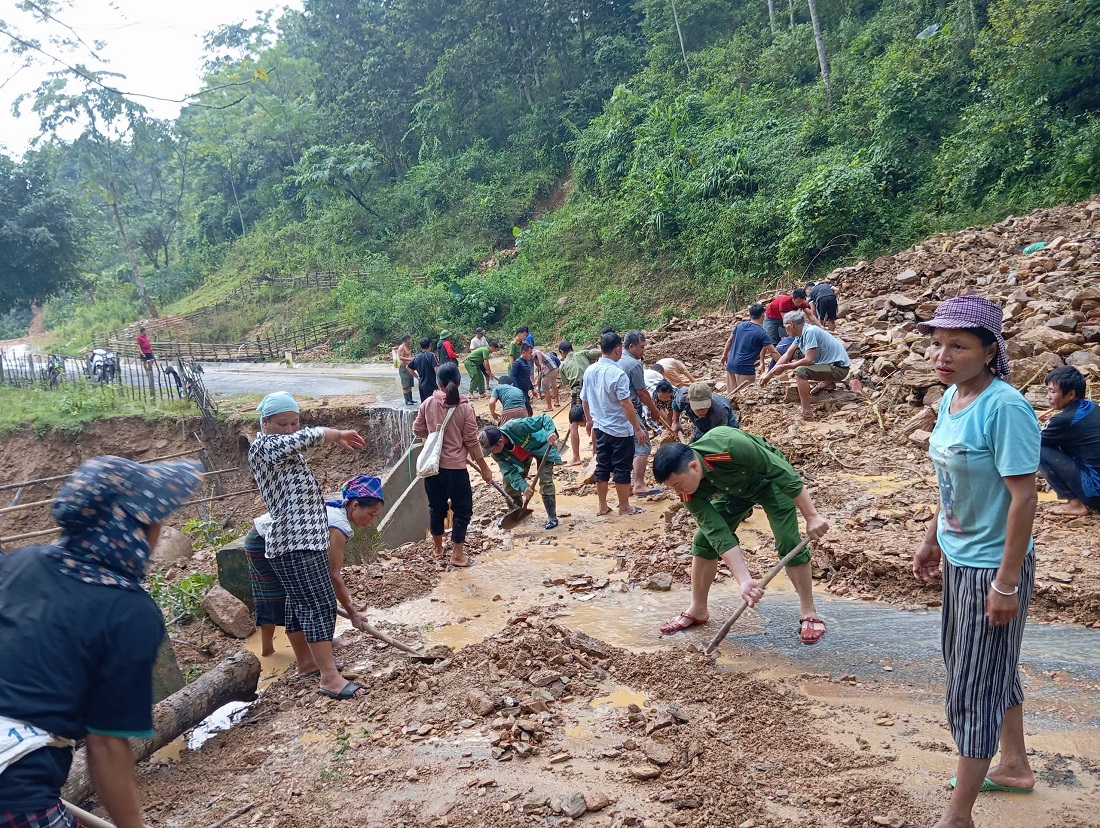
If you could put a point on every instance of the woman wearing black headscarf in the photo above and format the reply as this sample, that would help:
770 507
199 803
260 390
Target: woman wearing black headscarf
78 639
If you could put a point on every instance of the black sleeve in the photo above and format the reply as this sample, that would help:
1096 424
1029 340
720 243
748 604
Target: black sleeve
1059 429
120 694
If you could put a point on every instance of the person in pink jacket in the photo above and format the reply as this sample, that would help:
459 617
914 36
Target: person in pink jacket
450 489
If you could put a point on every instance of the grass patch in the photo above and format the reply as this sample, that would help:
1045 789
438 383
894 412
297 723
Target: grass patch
68 410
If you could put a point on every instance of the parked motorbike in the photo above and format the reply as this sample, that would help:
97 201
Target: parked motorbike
54 372
102 365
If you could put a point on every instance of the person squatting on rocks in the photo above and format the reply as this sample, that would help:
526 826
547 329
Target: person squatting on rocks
574 364
423 368
631 363
404 357
359 504
610 414
985 448
820 356
1070 454
80 639
747 346
478 368
298 541
784 304
450 489
720 478
514 446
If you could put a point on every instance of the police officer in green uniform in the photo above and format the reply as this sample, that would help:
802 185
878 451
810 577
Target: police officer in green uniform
720 478
515 445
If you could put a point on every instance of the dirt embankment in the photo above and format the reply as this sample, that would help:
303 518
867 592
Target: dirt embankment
222 446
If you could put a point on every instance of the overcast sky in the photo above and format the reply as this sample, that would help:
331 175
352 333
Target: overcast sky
157 45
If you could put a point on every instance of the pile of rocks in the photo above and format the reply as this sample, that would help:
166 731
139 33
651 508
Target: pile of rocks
1049 296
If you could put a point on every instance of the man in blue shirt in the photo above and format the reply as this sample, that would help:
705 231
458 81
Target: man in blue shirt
1069 456
521 374
823 358
747 345
610 413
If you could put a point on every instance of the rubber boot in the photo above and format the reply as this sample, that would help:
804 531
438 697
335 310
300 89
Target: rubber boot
408 396
550 503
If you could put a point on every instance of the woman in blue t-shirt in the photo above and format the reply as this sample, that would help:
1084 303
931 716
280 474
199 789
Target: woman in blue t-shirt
985 448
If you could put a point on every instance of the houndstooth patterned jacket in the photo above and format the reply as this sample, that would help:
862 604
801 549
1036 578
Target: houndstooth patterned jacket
291 492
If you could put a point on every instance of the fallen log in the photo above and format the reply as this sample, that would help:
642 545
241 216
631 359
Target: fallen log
234 679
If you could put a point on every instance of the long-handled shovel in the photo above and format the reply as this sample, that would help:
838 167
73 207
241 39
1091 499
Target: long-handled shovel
722 633
415 654
513 509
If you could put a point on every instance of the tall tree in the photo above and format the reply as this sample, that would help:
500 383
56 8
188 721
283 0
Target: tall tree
42 234
819 41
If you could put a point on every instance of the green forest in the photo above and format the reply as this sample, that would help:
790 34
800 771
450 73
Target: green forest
481 160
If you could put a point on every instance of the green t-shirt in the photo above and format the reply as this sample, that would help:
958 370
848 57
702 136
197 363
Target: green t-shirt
478 356
509 396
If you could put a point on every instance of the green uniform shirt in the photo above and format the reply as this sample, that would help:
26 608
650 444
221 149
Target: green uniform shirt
740 470
574 365
531 434
514 350
478 356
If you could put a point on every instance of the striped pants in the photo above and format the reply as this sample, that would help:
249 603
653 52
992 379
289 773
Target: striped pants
983 677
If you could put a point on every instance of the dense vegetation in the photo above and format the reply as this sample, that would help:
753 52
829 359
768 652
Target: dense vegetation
692 151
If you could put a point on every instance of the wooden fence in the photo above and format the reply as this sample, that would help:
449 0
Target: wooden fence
126 378
273 346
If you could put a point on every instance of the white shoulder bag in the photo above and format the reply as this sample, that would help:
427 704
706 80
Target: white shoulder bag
427 464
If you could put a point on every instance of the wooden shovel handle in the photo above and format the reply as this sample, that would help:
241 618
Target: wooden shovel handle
722 633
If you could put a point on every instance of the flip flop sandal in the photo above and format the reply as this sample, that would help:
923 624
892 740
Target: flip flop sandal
316 673
647 492
635 511
674 626
807 632
988 785
349 691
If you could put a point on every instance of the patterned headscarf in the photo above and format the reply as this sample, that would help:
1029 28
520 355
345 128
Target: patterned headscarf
971 312
361 485
103 511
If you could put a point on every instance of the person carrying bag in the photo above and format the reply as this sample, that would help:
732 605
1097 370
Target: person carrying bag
442 463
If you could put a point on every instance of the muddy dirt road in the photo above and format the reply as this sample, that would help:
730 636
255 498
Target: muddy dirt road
563 704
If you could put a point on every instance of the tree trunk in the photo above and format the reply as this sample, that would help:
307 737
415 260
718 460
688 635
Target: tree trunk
234 679
790 6
680 34
145 297
771 16
821 59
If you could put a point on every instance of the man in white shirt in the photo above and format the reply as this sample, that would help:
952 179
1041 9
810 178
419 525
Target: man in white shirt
608 409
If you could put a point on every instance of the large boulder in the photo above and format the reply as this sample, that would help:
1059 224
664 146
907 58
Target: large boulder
1083 359
1031 370
1048 338
172 546
228 612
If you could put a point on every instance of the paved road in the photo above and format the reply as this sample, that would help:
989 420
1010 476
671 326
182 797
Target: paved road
312 379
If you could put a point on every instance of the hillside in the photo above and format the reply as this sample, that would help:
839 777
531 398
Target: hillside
619 166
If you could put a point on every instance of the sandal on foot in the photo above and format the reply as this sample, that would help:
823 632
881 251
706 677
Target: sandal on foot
675 625
808 632
988 785
635 511
349 692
